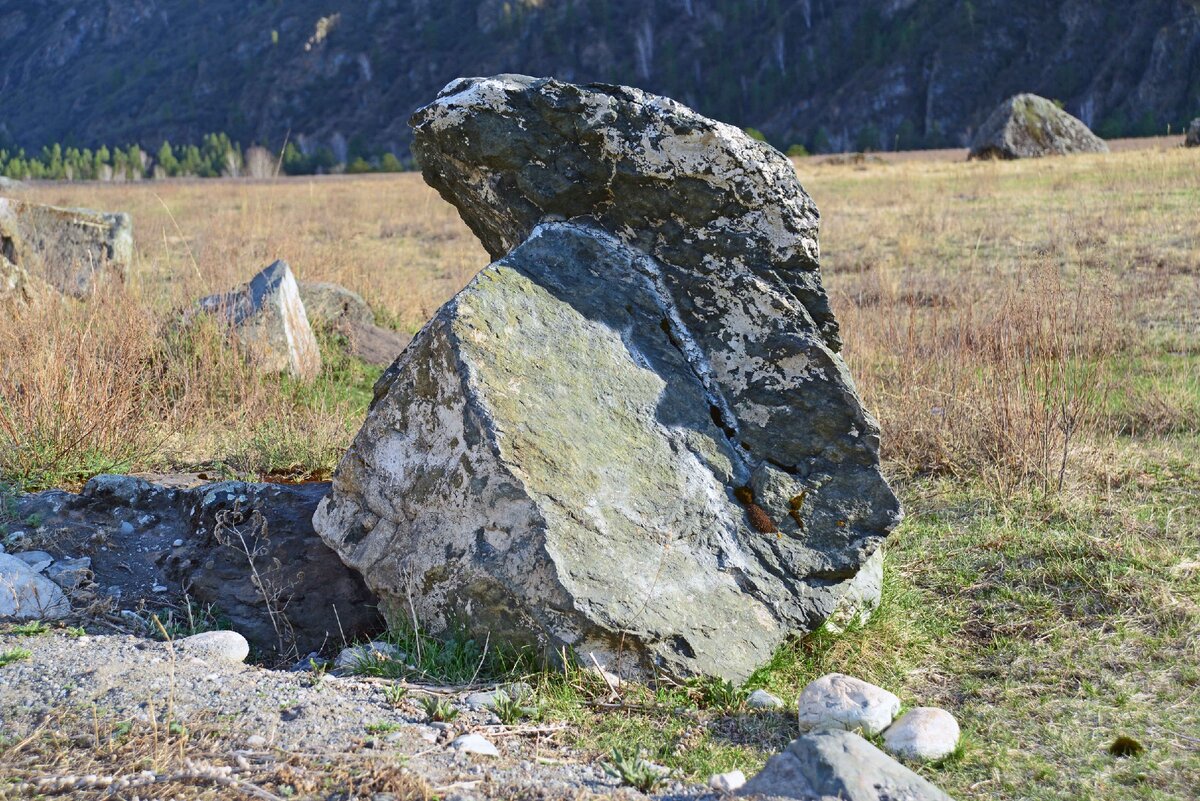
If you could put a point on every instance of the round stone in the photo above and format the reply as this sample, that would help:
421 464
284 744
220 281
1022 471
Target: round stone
843 702
474 744
227 645
761 699
924 734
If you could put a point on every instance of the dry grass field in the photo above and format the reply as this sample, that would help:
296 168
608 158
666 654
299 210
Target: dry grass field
1028 334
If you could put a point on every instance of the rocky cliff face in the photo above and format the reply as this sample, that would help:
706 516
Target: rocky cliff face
831 74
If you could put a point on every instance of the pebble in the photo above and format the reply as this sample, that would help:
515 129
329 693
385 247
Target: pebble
256 741
727 782
474 744
843 702
177 544
217 645
924 734
126 527
761 699
37 560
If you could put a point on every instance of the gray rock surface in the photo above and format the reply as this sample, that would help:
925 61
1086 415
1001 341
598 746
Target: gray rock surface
37 560
1027 126
27 595
352 658
924 734
72 250
227 645
17 286
844 702
835 764
267 319
192 539
632 435
70 574
1193 134
862 596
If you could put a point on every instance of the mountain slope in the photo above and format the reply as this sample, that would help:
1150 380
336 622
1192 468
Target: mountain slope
832 74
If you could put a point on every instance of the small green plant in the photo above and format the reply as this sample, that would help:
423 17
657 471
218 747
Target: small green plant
437 710
75 631
510 710
34 628
383 727
713 693
192 618
635 771
14 655
394 694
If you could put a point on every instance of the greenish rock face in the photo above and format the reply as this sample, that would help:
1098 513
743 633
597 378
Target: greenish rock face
1028 126
632 435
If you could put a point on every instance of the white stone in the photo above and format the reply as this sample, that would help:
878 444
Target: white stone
727 782
474 744
256 741
227 645
37 560
844 702
761 699
26 595
924 734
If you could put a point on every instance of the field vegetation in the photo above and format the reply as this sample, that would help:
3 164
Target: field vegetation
1028 334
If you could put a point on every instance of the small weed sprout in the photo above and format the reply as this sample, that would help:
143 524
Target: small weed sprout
14 655
34 628
437 710
635 771
719 694
394 694
511 711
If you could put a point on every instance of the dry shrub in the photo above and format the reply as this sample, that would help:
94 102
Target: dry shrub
74 387
998 384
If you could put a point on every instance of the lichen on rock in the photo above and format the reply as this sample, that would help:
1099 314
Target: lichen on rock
1028 126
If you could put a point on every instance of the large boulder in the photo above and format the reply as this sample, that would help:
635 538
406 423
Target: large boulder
632 435
27 595
1027 126
267 319
834 764
1193 134
73 250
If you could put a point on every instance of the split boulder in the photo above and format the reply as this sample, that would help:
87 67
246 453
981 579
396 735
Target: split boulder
1028 126
267 319
632 435
72 250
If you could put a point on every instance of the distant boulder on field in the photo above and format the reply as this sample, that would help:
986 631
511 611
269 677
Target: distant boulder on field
267 319
1027 126
73 250
333 307
1193 134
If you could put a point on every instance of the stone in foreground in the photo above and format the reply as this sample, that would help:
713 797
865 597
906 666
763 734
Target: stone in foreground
72 250
833 764
632 436
844 702
924 734
761 699
1027 126
27 595
1193 134
226 645
727 782
474 744
267 319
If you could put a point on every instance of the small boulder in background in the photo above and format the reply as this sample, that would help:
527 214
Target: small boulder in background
1193 134
1027 126
267 318
72 250
335 308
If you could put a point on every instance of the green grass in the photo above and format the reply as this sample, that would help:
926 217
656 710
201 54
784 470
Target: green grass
14 655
